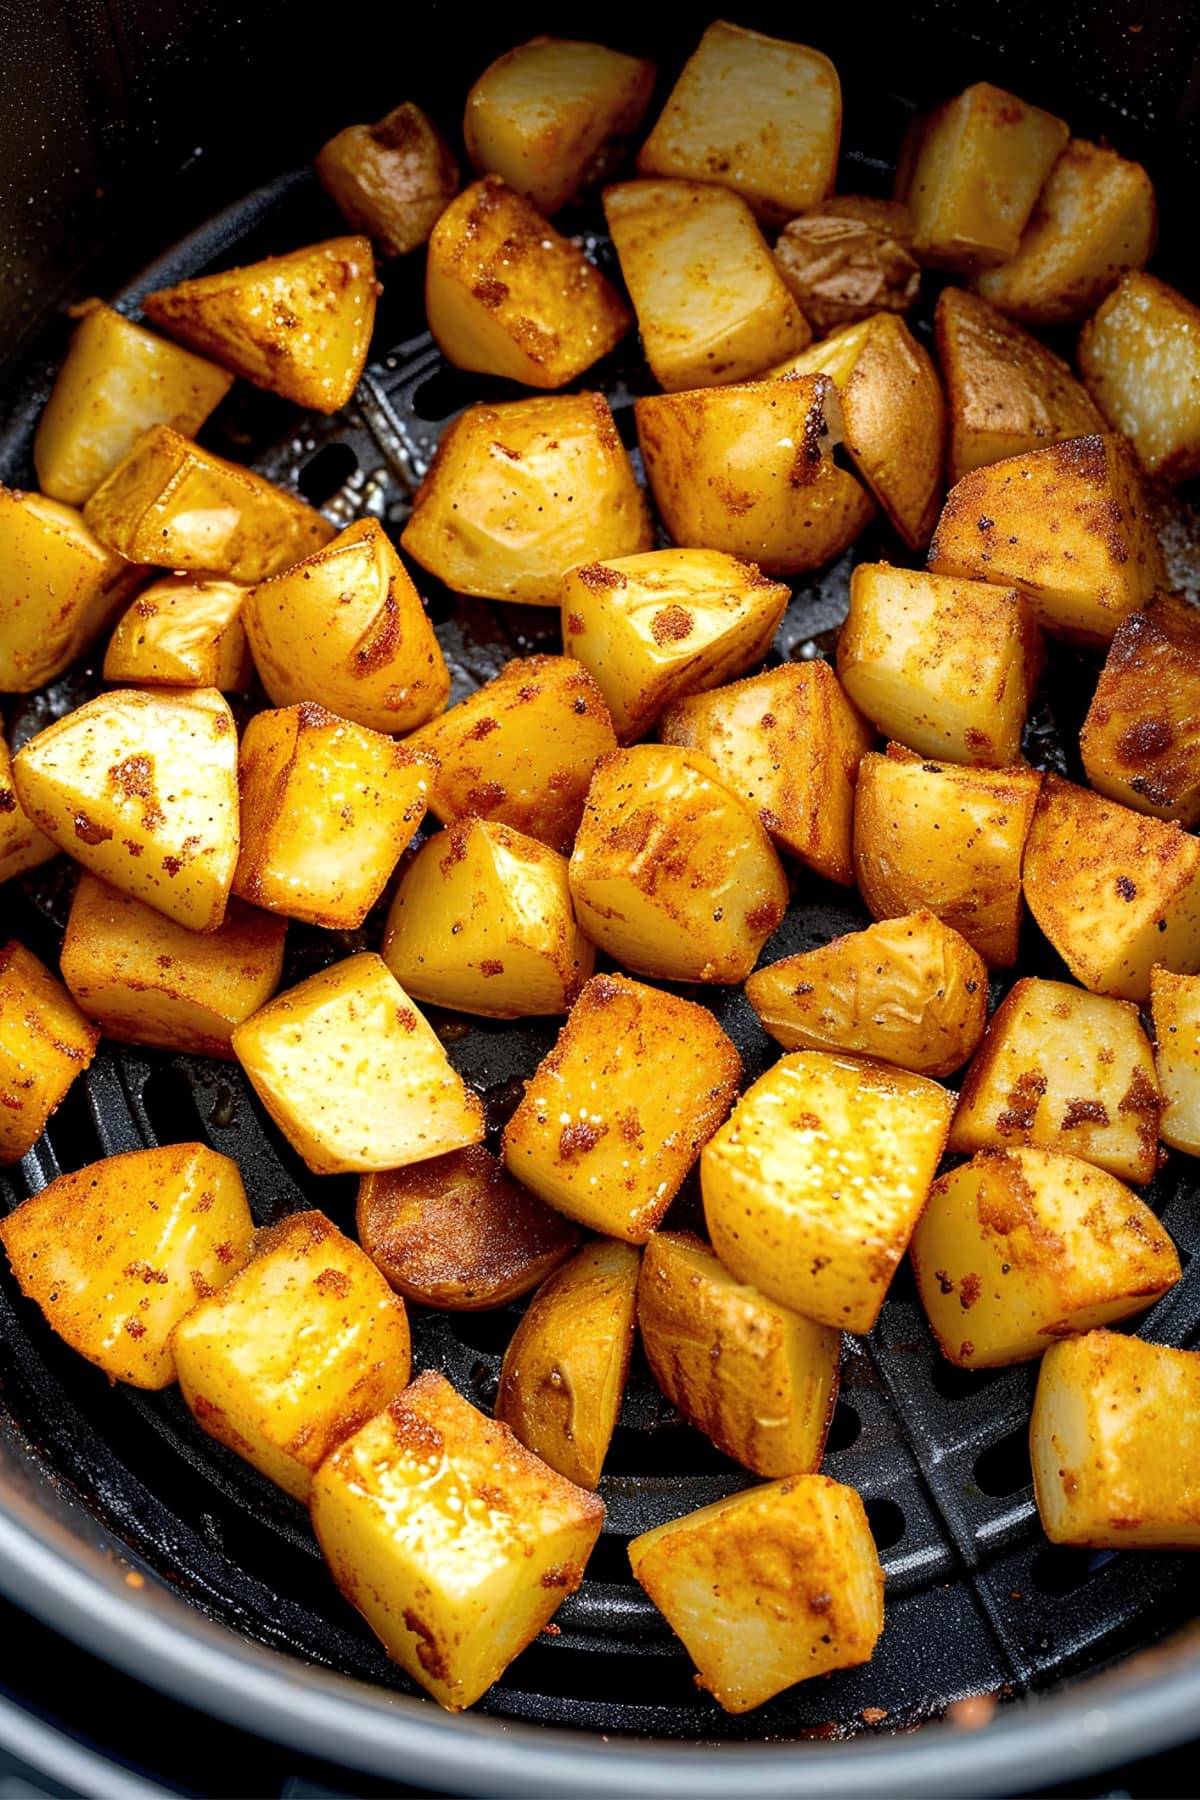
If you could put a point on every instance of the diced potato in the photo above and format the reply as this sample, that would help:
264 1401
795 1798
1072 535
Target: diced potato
482 921
1068 525
505 294
141 788
45 1042
1095 218
767 1588
563 1375
1140 358
1019 1247
116 381
1140 742
1114 892
1065 1070
908 991
947 667
755 1377
891 217
790 743
170 502
298 1351
616 1114
392 180
299 325
757 114
749 468
59 587
711 304
346 628
550 116
459 1233
1175 1000
653 628
452 1540
841 268
519 493
22 845
117 1252
146 980
672 874
353 1075
1115 1444
521 749
1006 393
182 631
947 839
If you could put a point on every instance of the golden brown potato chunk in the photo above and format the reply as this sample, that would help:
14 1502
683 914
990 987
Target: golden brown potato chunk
1141 739
1140 358
182 631
1175 1000
841 268
392 180
45 1042
22 845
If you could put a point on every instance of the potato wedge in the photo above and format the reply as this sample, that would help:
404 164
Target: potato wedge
392 180
1140 742
1140 358
45 1042
1175 1002
182 631
22 845
841 268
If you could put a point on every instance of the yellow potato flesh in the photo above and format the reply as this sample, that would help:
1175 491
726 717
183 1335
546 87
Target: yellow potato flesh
1140 742
182 632
22 845
1140 358
391 180
1175 1001
45 1042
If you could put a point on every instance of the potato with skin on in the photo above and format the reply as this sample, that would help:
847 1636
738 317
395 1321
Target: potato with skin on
45 1042
182 631
845 266
769 1587
563 1375
22 845
116 1253
297 1352
616 1115
1140 357
1018 1248
455 1543
391 181
1175 1004
1140 742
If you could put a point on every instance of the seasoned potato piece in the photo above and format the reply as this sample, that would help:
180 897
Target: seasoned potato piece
749 468
116 381
711 304
521 749
482 921
947 839
1068 525
1019 1247
22 845
653 628
1113 891
353 1075
182 631
459 1233
1140 358
519 493
1141 739
297 1352
891 217
564 1371
506 295
908 991
947 667
117 1252
392 180
550 116
756 1378
452 1540
790 743
1115 1444
1175 1000
141 788
672 873
767 1588
45 1042
841 268
615 1116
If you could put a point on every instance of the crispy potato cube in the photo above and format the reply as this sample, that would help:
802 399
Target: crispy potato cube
790 743
711 304
767 1588
505 294
947 667
521 749
813 1186
563 1375
1140 358
22 845
1141 739
1114 892
616 1114
672 874
297 1352
182 631
1095 217
518 494
907 991
653 628
1068 525
172 503
453 1541
756 114
459 1233
482 921
1115 1444
117 1252
1175 1000
1019 1247
551 115
392 180
841 268
45 1042
59 587
946 839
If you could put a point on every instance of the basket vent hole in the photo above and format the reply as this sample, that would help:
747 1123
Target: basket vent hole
846 1428
1056 1569
329 470
1003 1468
960 1384
445 392
887 1523
609 1561
171 1107
487 1332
